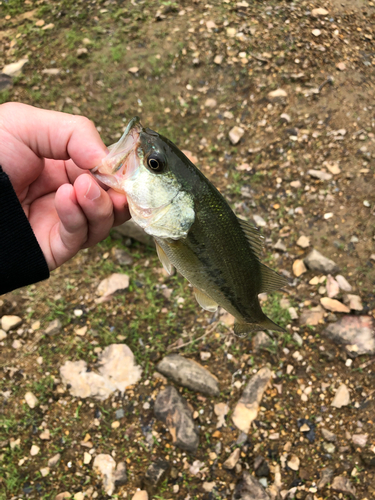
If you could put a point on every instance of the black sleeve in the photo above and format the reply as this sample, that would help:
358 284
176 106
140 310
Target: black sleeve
21 259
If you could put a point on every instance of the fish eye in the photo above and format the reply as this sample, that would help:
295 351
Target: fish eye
155 163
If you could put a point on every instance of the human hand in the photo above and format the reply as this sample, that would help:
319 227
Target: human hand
45 154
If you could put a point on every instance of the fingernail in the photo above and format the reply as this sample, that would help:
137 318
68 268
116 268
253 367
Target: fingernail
93 191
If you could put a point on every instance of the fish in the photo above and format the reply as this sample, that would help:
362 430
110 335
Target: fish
194 228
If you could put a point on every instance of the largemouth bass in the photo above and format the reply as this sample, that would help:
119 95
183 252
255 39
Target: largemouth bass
194 228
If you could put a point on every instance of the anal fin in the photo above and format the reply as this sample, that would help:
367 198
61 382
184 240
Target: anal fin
164 259
205 301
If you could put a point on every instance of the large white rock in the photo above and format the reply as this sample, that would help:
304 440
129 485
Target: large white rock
105 466
10 322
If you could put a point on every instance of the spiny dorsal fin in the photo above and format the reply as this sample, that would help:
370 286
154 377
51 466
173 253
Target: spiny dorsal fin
205 301
270 280
164 259
252 235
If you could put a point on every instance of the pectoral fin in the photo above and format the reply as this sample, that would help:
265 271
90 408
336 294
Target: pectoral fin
205 301
164 259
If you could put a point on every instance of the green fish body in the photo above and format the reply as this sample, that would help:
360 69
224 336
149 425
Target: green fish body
194 228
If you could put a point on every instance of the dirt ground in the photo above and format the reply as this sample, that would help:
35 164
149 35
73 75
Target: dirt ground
192 71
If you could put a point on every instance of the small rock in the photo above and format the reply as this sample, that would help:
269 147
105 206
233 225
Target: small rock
259 221
51 71
44 471
341 66
261 341
297 338
247 407
293 462
105 466
303 242
133 69
343 284
332 287
120 474
14 69
284 117
319 12
16 344
249 488
45 435
293 313
343 485
326 476
3 335
221 410
205 355
312 317
156 473
63 496
342 397
319 174
299 267
81 51
235 134
208 487
316 32
54 327
34 450
53 461
81 332
210 103
279 245
122 257
277 95
360 439
10 322
140 495
218 59
174 411
354 302
232 460
317 262
111 285
31 399
334 305
261 467
189 373
356 333
328 435
296 184
87 458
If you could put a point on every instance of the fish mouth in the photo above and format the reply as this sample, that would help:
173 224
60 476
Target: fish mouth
122 160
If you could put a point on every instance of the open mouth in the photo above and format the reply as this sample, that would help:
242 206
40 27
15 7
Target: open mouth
122 159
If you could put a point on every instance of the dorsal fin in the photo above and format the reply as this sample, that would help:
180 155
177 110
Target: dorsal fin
253 236
270 280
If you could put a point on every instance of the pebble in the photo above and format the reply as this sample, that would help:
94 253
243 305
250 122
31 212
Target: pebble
208 487
343 485
16 344
341 66
173 410
343 284
114 283
356 333
293 462
296 184
279 245
53 461
320 174
334 305
3 335
299 267
360 439
105 466
329 448
303 241
318 262
10 322
316 32
232 460
140 495
34 450
122 257
221 410
293 313
156 473
87 458
45 435
326 476
14 69
54 327
120 474
51 71
259 221
261 341
277 95
63 496
319 11
247 407
312 317
235 135
354 302
31 399
332 287
117 370
297 338
44 471
133 69
249 488
205 355
328 435
342 397
189 373
210 103
218 59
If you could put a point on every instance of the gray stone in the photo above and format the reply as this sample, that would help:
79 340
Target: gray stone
120 476
54 327
232 460
261 467
328 435
247 407
6 82
174 411
189 373
119 414
317 262
261 341
131 230
355 333
155 474
312 317
122 257
343 485
249 488
53 461
326 476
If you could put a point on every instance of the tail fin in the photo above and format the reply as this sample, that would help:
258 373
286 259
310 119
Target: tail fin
266 324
